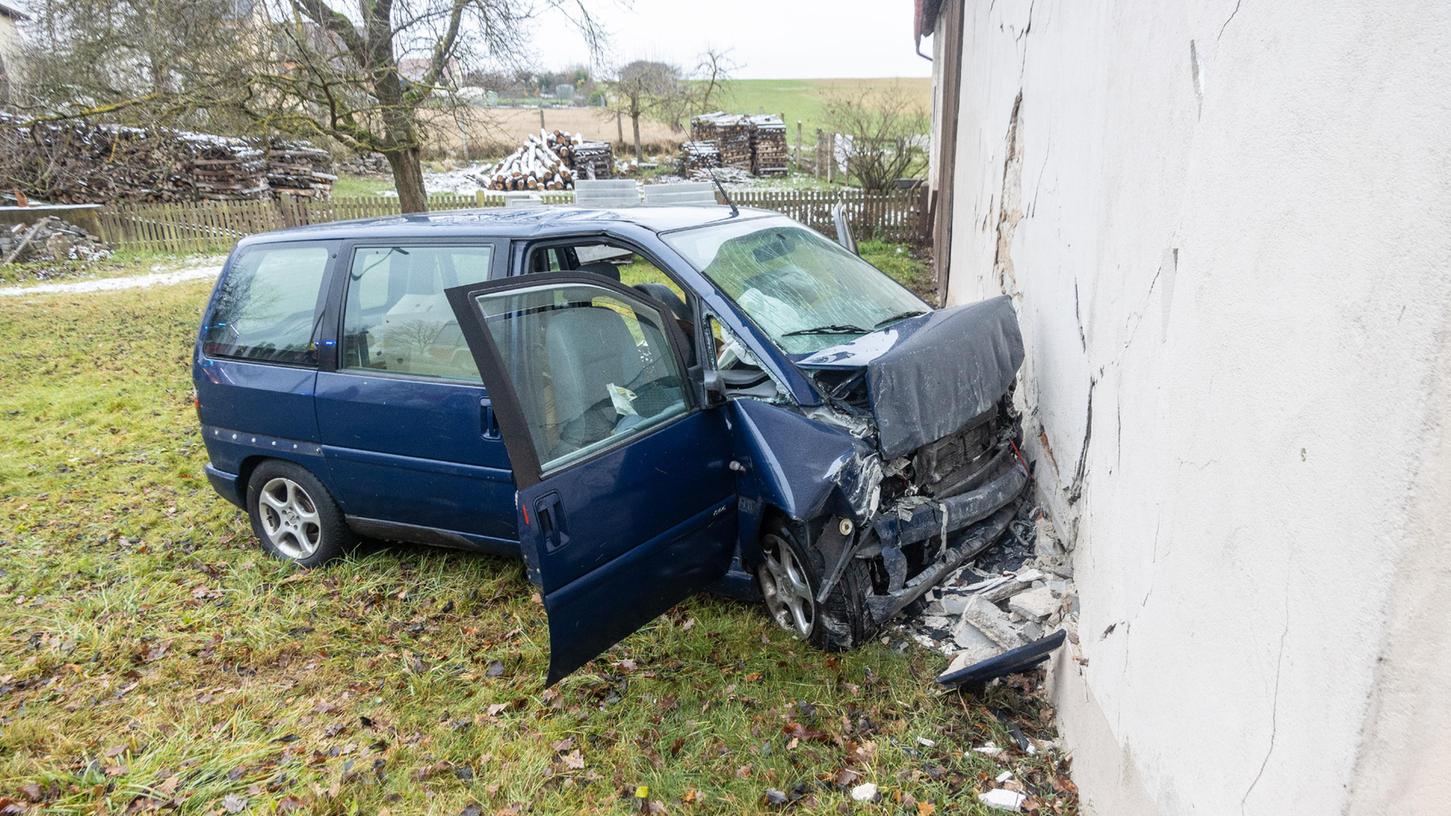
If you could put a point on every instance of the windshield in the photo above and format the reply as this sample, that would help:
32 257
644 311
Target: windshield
804 291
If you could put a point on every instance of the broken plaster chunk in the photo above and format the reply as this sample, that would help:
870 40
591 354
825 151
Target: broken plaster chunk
865 792
987 619
1029 575
1035 604
1003 799
1003 777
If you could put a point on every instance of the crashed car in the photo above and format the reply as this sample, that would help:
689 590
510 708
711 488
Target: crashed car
645 403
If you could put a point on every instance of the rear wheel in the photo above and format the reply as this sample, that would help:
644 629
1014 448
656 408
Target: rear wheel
790 575
294 516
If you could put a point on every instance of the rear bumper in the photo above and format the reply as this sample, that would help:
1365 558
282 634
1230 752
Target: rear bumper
228 485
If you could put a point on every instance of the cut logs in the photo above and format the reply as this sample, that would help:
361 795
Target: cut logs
753 144
551 161
75 161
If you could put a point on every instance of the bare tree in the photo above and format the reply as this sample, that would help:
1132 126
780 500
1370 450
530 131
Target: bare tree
368 74
660 91
885 135
364 76
642 88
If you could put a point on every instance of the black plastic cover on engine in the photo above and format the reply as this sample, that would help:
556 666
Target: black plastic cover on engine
943 369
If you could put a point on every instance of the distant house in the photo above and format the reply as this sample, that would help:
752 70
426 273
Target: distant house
10 18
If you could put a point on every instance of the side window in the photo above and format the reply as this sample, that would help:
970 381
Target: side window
395 315
590 366
625 266
267 307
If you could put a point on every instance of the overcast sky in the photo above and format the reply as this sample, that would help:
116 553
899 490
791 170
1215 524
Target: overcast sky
768 39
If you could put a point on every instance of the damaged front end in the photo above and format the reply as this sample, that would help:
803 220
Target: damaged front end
934 475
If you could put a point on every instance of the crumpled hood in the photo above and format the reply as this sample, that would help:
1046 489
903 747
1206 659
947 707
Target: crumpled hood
928 376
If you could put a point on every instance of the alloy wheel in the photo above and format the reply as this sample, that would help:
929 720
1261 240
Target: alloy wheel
289 518
783 583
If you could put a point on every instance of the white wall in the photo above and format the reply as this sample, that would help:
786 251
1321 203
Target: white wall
1227 226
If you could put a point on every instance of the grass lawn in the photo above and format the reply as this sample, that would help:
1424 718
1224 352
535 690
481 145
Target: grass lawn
122 263
349 186
801 99
151 656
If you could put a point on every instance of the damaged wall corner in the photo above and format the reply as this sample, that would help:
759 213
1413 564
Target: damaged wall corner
1232 380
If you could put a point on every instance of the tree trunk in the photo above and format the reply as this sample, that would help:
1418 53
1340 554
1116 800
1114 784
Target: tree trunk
635 123
408 179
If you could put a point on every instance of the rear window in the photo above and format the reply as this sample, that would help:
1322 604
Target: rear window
268 305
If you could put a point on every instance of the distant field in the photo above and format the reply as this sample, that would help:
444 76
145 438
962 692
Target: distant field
492 132
801 99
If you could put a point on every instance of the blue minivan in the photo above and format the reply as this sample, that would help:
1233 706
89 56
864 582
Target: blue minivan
643 403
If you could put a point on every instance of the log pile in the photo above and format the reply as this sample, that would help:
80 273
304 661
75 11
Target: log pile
551 161
594 160
754 144
75 162
698 155
768 146
216 168
298 170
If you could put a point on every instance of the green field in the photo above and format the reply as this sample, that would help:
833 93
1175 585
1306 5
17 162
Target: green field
152 658
802 99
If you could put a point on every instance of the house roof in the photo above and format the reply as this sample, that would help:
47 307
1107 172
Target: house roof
12 10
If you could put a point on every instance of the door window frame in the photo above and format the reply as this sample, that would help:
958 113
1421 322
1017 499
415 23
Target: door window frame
523 454
322 311
342 279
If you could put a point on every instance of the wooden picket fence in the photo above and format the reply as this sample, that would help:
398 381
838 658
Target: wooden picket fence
214 226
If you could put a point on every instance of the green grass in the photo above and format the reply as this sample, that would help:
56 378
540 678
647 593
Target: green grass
902 263
151 654
122 263
349 185
803 99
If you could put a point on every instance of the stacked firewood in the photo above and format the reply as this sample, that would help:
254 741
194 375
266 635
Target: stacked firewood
551 161
296 169
734 139
74 161
768 146
594 160
702 127
219 168
698 155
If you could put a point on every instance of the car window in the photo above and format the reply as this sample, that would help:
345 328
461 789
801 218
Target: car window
396 317
590 366
806 292
267 307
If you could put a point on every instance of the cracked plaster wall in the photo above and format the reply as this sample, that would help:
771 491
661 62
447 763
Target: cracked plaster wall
1225 225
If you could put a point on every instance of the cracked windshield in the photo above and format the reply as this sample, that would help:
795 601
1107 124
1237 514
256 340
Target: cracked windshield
804 291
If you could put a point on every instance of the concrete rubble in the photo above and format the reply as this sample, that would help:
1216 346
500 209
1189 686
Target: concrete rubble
1017 592
49 239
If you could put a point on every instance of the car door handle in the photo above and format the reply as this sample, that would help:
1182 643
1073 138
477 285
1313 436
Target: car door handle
488 422
552 530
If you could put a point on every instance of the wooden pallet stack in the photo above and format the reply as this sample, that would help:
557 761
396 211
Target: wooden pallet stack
769 156
298 170
698 155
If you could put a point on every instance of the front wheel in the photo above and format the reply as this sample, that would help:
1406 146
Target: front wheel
790 574
294 516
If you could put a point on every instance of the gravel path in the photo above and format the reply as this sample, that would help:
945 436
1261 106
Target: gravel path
183 275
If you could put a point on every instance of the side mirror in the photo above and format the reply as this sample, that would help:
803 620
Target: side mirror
711 386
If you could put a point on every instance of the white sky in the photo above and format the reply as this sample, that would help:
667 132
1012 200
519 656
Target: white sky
767 39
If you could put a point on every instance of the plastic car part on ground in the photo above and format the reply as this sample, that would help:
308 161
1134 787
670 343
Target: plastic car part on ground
1013 661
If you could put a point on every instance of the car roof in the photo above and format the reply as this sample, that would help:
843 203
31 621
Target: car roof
501 222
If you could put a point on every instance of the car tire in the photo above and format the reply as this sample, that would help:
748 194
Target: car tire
294 516
838 623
